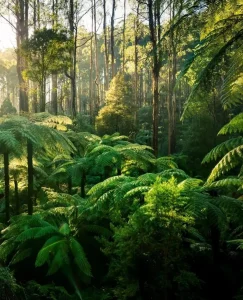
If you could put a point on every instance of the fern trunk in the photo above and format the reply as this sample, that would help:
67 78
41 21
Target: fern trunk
82 185
16 192
70 185
30 176
6 182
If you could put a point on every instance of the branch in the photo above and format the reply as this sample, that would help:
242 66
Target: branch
1 15
69 76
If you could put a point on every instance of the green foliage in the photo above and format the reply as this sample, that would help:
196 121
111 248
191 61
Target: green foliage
231 150
118 113
7 108
9 289
44 50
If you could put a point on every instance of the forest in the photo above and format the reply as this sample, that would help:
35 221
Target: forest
121 150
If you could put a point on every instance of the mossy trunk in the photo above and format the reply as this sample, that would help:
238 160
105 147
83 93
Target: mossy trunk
6 182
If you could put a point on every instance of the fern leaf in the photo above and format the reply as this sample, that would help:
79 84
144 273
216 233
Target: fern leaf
234 126
190 184
223 149
228 162
137 191
20 255
49 246
80 257
65 229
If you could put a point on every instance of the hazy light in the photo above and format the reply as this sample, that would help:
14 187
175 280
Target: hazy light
7 35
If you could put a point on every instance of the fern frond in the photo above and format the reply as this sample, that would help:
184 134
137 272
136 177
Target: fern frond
65 229
223 149
190 184
234 126
80 257
228 162
177 173
140 190
60 257
21 255
228 182
47 249
97 190
34 233
164 163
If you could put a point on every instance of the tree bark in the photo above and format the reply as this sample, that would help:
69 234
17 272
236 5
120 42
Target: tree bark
124 37
113 39
16 192
91 109
6 185
97 81
30 176
106 69
21 37
82 185
154 17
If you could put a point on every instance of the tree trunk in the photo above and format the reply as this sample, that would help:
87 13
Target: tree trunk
91 109
70 185
16 192
30 176
73 54
106 69
21 37
136 62
54 94
6 185
154 15
82 185
43 95
124 37
171 105
97 75
112 39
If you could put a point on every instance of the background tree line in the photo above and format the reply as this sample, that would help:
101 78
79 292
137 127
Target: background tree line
151 55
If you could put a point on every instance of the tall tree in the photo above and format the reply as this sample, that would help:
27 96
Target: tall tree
22 18
113 39
106 52
154 15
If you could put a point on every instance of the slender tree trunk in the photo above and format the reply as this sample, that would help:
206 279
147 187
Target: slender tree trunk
22 36
30 176
73 55
54 94
6 185
54 107
82 185
136 23
171 105
113 39
124 37
70 185
97 75
91 108
106 69
16 192
43 95
154 15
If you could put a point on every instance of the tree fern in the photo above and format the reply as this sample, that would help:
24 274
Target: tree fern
221 32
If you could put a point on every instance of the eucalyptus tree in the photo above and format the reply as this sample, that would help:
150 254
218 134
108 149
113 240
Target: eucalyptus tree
44 50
